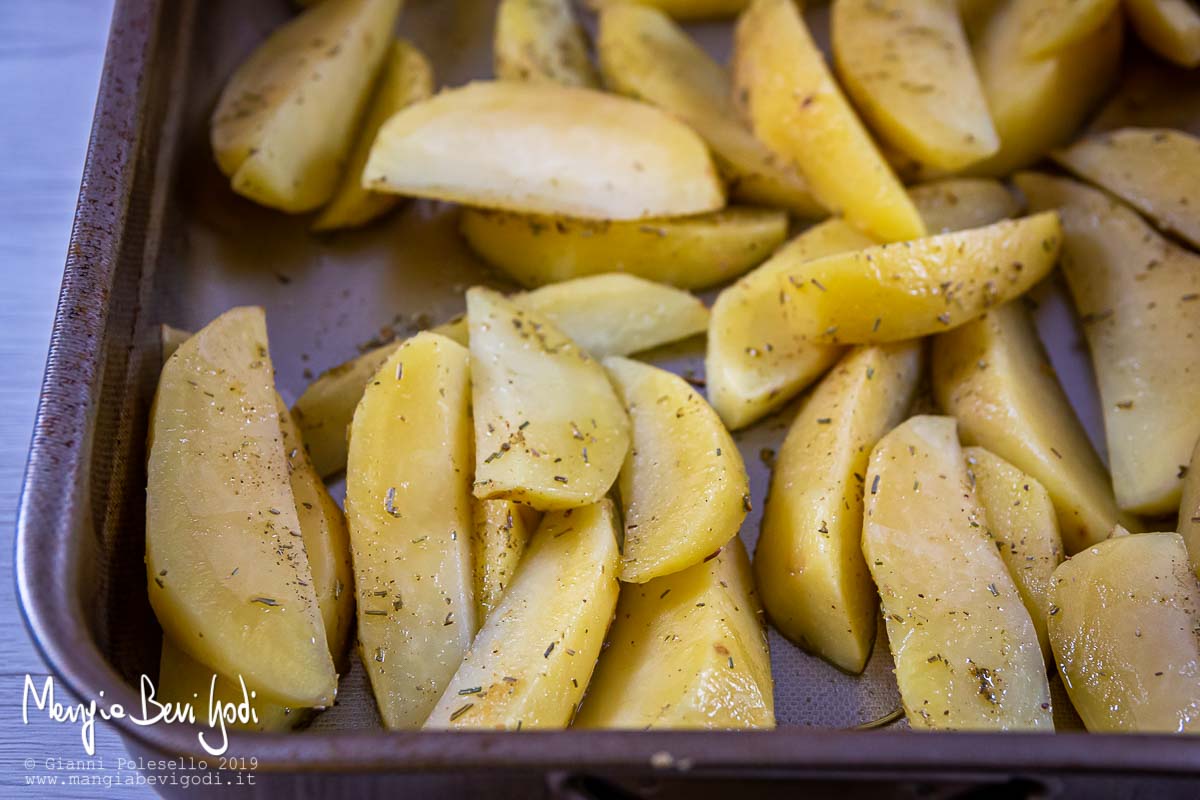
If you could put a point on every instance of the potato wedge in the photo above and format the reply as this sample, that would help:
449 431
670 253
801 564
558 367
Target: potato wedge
1123 625
407 78
286 121
966 652
408 505
1022 524
1157 171
1189 510
545 149
814 582
716 675
959 204
531 662
644 55
501 535
689 252
550 431
1170 28
683 485
993 375
908 68
1049 26
1139 298
220 510
540 40
1152 94
683 9
902 291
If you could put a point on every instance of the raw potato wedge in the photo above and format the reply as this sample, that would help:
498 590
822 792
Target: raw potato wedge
644 55
540 40
687 650
683 9
1157 171
902 291
502 531
683 486
809 561
1022 524
1170 28
1049 26
545 149
1123 625
550 431
1189 511
795 107
408 505
220 511
993 375
907 65
689 252
530 664
1138 296
966 652
407 78
286 121
959 204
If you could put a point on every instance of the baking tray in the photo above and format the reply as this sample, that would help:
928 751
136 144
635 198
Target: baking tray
159 238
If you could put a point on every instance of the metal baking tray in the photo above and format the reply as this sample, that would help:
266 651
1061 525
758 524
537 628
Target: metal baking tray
160 238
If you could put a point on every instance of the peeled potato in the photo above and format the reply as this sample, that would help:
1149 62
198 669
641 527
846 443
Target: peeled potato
286 121
501 535
966 652
958 204
545 149
540 40
795 106
1048 26
683 9
1189 511
1170 28
688 650
683 485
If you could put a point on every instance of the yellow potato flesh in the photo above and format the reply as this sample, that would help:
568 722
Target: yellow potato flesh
1138 296
908 68
1048 26
644 55
502 531
1022 524
408 506
687 650
689 252
531 662
993 375
1170 28
286 121
683 485
958 204
1189 511
796 108
684 9
809 561
902 291
228 576
407 77
540 40
550 431
545 149
1123 626
1157 171
966 652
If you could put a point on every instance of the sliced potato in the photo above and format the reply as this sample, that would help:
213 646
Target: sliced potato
502 531
1022 524
809 561
545 149
958 204
1123 625
532 660
408 505
684 9
286 121
689 252
1189 510
1139 298
1170 28
687 650
966 652
901 291
993 375
540 40
908 68
407 78
644 55
1156 170
220 512
1048 26
683 486
550 431
1151 94
796 108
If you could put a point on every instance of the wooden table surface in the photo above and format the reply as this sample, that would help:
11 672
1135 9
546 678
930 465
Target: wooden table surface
50 57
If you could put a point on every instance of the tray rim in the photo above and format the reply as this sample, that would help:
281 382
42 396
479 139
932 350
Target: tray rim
46 528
